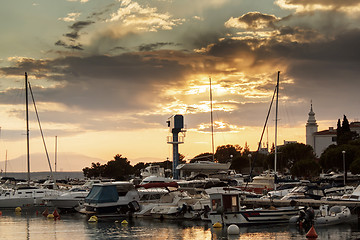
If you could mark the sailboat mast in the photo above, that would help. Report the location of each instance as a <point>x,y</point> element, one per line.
<point>55,152</point>
<point>5,162</point>
<point>276,121</point>
<point>212,123</point>
<point>27,129</point>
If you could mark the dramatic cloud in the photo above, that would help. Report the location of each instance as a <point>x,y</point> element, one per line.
<point>253,20</point>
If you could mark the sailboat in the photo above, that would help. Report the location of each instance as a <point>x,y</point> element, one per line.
<point>25,195</point>
<point>226,208</point>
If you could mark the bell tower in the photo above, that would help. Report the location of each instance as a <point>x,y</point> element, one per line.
<point>311,128</point>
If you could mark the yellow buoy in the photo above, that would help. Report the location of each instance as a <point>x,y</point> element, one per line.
<point>217,225</point>
<point>124,222</point>
<point>50,215</point>
<point>93,219</point>
<point>18,209</point>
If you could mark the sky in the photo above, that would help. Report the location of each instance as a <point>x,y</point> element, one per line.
<point>106,75</point>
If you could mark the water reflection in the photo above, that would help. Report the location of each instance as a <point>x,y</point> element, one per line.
<point>76,227</point>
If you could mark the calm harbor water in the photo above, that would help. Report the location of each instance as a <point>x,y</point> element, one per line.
<point>76,227</point>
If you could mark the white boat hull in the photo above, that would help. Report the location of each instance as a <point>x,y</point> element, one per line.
<point>254,216</point>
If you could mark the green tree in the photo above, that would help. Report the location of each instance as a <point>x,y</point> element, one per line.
<point>355,166</point>
<point>289,155</point>
<point>96,170</point>
<point>344,134</point>
<point>307,168</point>
<point>119,168</point>
<point>225,153</point>
<point>138,167</point>
<point>332,157</point>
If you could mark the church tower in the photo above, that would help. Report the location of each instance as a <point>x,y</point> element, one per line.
<point>311,128</point>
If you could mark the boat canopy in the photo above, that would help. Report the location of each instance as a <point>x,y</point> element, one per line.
<point>102,194</point>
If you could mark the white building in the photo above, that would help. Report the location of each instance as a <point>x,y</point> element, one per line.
<point>311,128</point>
<point>320,140</point>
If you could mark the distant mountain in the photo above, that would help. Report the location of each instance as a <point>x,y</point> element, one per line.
<point>39,163</point>
<point>134,161</point>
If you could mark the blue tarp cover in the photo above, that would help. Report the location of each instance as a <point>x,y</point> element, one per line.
<point>102,194</point>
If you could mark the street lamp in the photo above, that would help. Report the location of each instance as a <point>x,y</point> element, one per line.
<point>343,153</point>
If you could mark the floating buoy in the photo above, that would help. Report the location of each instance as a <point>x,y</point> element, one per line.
<point>217,225</point>
<point>0,213</point>
<point>50,216</point>
<point>312,233</point>
<point>56,214</point>
<point>124,222</point>
<point>233,229</point>
<point>45,213</point>
<point>93,219</point>
<point>18,209</point>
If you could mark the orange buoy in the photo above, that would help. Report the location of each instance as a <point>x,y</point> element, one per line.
<point>312,233</point>
<point>45,213</point>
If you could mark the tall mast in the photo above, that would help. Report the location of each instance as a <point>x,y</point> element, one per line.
<point>212,123</point>
<point>55,152</point>
<point>276,120</point>
<point>5,162</point>
<point>27,129</point>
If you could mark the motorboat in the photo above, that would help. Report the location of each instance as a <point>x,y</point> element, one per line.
<point>324,216</point>
<point>25,196</point>
<point>152,170</point>
<point>305,191</point>
<point>179,204</point>
<point>111,198</point>
<point>69,200</point>
<point>226,209</point>
<point>155,179</point>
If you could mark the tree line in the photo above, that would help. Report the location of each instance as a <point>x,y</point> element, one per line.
<point>296,159</point>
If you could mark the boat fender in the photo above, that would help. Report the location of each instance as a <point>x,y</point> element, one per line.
<point>233,229</point>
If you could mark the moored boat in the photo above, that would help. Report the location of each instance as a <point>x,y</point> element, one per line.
<point>323,216</point>
<point>226,209</point>
<point>111,198</point>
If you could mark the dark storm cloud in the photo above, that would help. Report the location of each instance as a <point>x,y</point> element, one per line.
<point>258,20</point>
<point>120,83</point>
<point>69,46</point>
<point>155,46</point>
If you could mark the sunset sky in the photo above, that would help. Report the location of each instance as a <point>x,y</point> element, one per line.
<point>106,75</point>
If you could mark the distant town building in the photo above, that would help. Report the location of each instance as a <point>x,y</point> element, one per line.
<point>320,140</point>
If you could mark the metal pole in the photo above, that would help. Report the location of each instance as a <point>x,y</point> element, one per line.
<point>27,128</point>
<point>55,152</point>
<point>343,152</point>
<point>212,124</point>
<point>175,155</point>
<point>276,120</point>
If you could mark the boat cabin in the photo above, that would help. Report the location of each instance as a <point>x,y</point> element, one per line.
<point>224,202</point>
<point>108,192</point>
